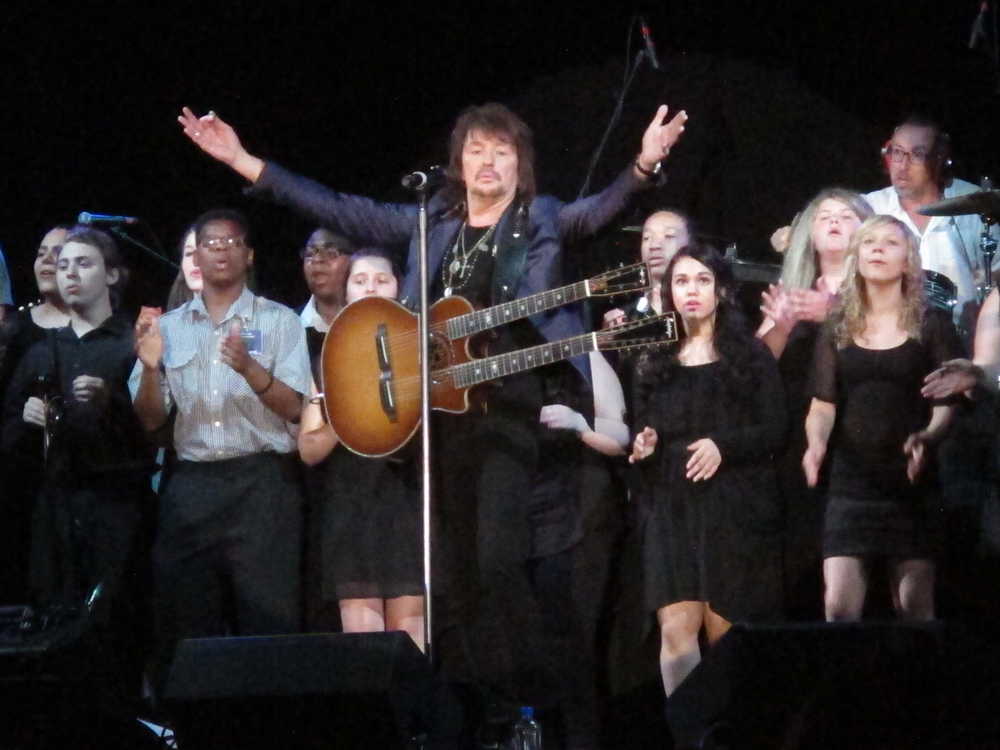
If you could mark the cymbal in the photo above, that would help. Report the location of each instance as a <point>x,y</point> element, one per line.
<point>984,203</point>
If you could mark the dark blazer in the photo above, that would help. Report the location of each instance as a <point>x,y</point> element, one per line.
<point>535,267</point>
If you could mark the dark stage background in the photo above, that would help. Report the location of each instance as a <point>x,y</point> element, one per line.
<point>784,98</point>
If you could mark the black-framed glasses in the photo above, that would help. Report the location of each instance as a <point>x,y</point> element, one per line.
<point>917,156</point>
<point>320,252</point>
<point>214,243</point>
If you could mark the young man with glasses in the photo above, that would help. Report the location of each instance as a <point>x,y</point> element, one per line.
<point>325,259</point>
<point>233,366</point>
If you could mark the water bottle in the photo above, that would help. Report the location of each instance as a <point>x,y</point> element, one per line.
<point>527,732</point>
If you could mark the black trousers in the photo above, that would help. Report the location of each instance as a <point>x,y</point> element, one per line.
<point>227,555</point>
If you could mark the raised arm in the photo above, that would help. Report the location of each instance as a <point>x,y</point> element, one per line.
<point>218,139</point>
<point>364,221</point>
<point>586,216</point>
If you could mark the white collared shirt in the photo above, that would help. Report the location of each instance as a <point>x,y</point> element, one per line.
<point>218,414</point>
<point>311,318</point>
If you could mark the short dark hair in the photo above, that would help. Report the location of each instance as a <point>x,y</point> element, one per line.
<point>223,214</point>
<point>939,158</point>
<point>497,120</point>
<point>106,245</point>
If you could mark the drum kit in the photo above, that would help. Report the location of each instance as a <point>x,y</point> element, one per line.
<point>984,203</point>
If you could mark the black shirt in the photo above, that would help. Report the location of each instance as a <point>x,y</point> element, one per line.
<point>95,437</point>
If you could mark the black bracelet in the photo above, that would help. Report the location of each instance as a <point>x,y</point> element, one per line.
<point>267,387</point>
<point>650,173</point>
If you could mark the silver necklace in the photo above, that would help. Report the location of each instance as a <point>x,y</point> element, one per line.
<point>457,273</point>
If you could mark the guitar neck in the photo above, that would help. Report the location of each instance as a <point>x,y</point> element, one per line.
<point>482,370</point>
<point>482,320</point>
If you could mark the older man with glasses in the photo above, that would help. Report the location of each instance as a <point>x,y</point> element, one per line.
<point>918,161</point>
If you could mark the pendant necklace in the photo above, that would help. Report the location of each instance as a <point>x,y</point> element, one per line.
<point>457,273</point>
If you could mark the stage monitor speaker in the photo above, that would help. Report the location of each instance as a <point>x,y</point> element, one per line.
<point>344,690</point>
<point>817,685</point>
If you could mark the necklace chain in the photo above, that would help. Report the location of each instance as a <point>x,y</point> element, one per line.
<point>457,273</point>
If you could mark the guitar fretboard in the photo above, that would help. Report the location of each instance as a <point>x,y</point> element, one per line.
<point>478,371</point>
<point>491,317</point>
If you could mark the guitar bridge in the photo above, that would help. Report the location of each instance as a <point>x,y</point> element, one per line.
<point>385,385</point>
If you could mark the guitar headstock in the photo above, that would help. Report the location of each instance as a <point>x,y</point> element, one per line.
<point>633,278</point>
<point>657,330</point>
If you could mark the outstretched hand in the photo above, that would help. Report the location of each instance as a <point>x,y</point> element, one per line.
<point>216,137</point>
<point>211,134</point>
<point>660,137</point>
<point>953,376</point>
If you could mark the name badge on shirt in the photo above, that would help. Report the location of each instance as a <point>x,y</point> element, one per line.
<point>253,340</point>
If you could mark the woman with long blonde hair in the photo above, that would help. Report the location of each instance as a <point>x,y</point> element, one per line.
<point>794,310</point>
<point>870,363</point>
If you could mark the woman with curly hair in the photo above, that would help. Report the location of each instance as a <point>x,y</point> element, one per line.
<point>870,363</point>
<point>714,415</point>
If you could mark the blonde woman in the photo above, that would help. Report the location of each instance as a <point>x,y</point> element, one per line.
<point>814,265</point>
<point>794,311</point>
<point>870,364</point>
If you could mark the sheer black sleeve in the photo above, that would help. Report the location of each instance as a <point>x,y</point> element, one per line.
<point>823,378</point>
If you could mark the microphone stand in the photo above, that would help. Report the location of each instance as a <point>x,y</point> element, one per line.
<point>119,232</point>
<point>423,337</point>
<point>615,115</point>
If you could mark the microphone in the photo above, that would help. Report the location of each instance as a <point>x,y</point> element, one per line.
<point>86,217</point>
<point>647,37</point>
<point>424,180</point>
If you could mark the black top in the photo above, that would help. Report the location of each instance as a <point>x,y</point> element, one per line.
<point>91,438</point>
<point>877,395</point>
<point>473,278</point>
<point>18,334</point>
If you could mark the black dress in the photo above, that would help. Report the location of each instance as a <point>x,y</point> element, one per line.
<point>717,540</point>
<point>873,508</point>
<point>371,528</point>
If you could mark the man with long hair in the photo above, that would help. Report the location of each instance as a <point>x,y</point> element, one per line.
<point>491,239</point>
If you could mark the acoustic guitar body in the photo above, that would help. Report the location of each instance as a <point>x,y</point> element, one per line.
<point>371,373</point>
